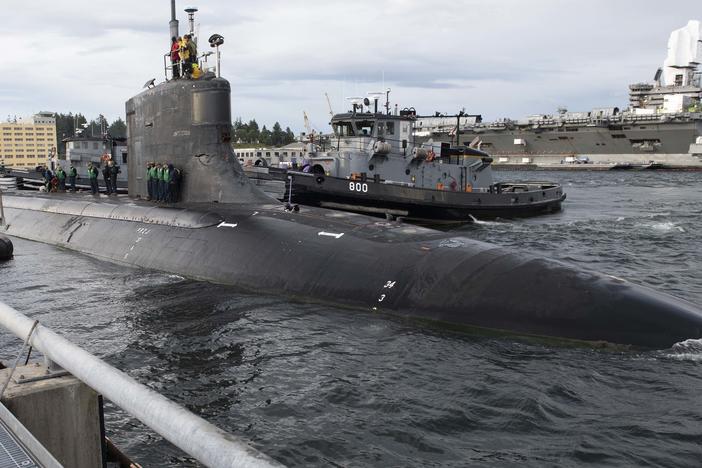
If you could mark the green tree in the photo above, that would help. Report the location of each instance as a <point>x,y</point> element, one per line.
<point>277,135</point>
<point>253,133</point>
<point>265,138</point>
<point>118,129</point>
<point>238,131</point>
<point>289,136</point>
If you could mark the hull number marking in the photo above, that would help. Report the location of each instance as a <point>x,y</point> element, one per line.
<point>358,187</point>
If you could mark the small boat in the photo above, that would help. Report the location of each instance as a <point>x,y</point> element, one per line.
<point>377,167</point>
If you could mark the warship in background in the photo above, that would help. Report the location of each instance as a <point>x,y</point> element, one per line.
<point>661,128</point>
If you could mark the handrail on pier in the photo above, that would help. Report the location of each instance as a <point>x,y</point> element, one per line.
<point>207,443</point>
<point>2,212</point>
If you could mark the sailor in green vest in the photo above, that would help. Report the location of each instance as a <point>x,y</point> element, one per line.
<point>157,181</point>
<point>150,179</point>
<point>166,178</point>
<point>61,176</point>
<point>72,175</point>
<point>93,175</point>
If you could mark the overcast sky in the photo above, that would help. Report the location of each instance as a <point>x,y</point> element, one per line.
<point>498,58</point>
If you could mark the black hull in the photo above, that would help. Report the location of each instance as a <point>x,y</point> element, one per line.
<point>344,258</point>
<point>422,204</point>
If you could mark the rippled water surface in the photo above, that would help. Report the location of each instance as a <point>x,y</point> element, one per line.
<point>317,386</point>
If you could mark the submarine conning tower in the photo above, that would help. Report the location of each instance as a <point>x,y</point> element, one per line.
<point>187,123</point>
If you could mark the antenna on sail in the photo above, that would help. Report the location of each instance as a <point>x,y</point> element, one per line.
<point>191,22</point>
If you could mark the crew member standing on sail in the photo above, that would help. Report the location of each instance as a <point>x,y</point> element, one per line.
<point>192,50</point>
<point>175,57</point>
<point>184,53</point>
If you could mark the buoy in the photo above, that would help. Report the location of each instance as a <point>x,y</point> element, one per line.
<point>5,248</point>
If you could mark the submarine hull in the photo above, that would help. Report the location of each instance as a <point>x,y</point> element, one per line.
<point>353,260</point>
<point>226,230</point>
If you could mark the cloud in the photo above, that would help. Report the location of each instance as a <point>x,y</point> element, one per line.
<point>498,58</point>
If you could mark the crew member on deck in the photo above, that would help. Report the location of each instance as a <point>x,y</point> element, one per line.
<point>72,175</point>
<point>106,178</point>
<point>158,187</point>
<point>93,176</point>
<point>149,181</point>
<point>61,176</point>
<point>47,178</point>
<point>114,170</point>
<point>175,187</point>
<point>166,181</point>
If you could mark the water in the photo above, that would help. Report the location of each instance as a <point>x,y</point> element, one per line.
<point>317,386</point>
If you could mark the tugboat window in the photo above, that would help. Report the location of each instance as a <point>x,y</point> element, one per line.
<point>365,127</point>
<point>390,128</point>
<point>343,129</point>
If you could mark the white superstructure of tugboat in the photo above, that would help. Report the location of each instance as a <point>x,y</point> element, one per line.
<point>377,166</point>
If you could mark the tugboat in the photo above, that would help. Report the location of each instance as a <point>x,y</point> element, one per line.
<point>378,168</point>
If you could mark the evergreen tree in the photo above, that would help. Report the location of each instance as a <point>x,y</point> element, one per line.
<point>289,136</point>
<point>265,138</point>
<point>118,129</point>
<point>238,130</point>
<point>277,135</point>
<point>254,134</point>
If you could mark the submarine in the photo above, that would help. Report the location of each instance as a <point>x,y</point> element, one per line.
<point>225,230</point>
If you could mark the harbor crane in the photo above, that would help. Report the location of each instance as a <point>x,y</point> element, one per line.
<point>331,112</point>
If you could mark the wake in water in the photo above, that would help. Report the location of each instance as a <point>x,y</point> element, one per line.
<point>485,223</point>
<point>688,350</point>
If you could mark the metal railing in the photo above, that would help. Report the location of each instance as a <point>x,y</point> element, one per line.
<point>2,212</point>
<point>207,443</point>
<point>201,61</point>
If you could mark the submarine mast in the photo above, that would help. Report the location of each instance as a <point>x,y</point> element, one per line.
<point>173,24</point>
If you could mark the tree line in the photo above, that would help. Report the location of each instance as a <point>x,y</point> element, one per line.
<point>250,133</point>
<point>71,125</point>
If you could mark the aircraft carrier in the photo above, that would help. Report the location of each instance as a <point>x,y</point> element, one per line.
<point>661,127</point>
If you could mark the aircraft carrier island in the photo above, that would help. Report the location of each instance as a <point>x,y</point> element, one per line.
<point>225,230</point>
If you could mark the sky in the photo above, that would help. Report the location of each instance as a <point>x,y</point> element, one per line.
<point>497,58</point>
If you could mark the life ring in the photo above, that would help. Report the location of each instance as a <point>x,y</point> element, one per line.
<point>431,155</point>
